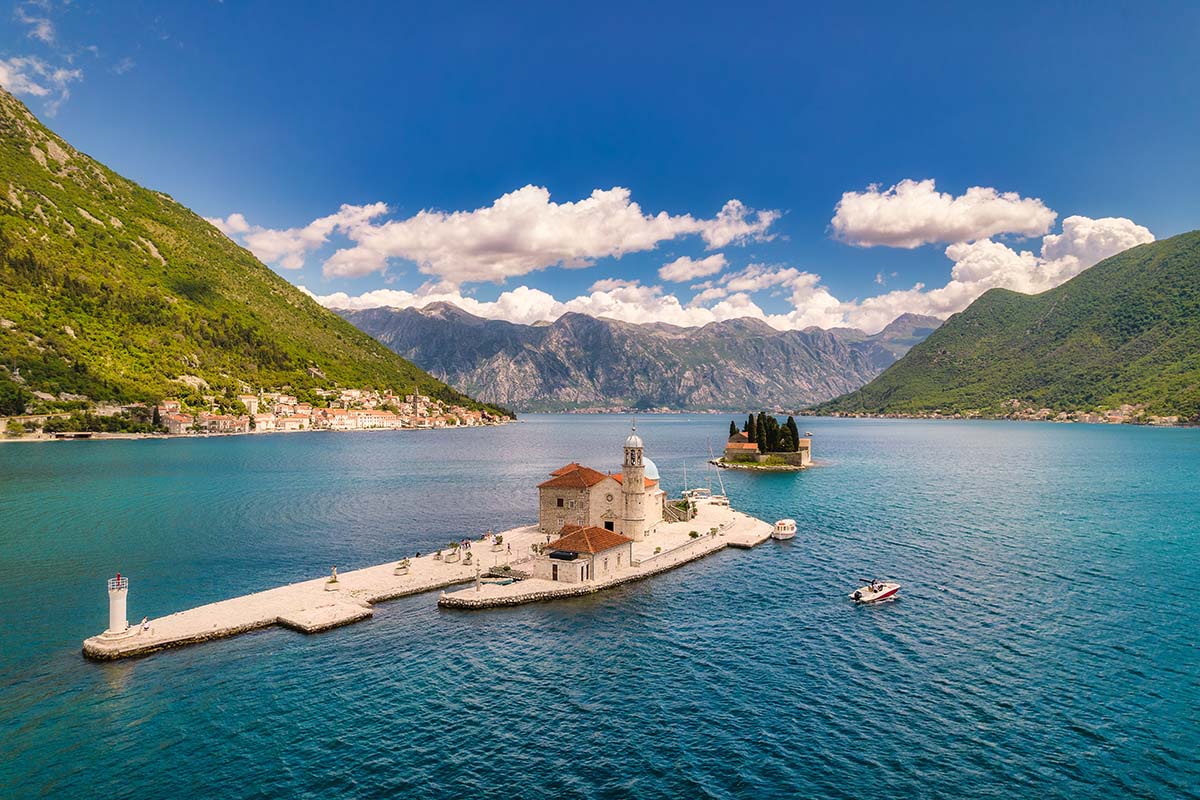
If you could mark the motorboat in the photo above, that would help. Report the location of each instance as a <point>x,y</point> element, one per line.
<point>875,591</point>
<point>784,529</point>
<point>808,433</point>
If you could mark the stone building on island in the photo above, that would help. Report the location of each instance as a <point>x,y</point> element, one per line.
<point>629,502</point>
<point>583,554</point>
<point>740,449</point>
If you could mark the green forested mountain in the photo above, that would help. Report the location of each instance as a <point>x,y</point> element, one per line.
<point>1125,331</point>
<point>117,292</point>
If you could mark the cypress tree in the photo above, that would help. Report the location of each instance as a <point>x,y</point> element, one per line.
<point>785,440</point>
<point>155,419</point>
<point>751,428</point>
<point>791,426</point>
<point>733,431</point>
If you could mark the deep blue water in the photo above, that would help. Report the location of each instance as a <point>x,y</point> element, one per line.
<point>1044,646</point>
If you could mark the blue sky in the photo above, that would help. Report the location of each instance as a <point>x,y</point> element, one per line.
<point>283,113</point>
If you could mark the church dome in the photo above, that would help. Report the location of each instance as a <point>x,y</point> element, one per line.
<point>651,469</point>
<point>634,440</point>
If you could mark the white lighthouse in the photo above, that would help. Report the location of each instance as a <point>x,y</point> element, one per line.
<point>118,589</point>
<point>633,487</point>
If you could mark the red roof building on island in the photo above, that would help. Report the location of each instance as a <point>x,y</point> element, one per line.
<point>591,540</point>
<point>573,476</point>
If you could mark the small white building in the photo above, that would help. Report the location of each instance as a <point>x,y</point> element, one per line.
<point>583,554</point>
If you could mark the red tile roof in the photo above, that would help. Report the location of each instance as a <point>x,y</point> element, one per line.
<point>740,437</point>
<point>620,478</point>
<point>578,478</point>
<point>732,445</point>
<point>574,465</point>
<point>574,539</point>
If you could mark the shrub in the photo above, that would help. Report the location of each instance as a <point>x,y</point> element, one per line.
<point>694,534</point>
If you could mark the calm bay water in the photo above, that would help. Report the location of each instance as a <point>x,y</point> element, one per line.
<point>1045,644</point>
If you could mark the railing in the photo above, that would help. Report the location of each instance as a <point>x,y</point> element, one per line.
<point>117,583</point>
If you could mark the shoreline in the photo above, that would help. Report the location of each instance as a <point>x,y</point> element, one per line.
<point>93,436</point>
<point>997,418</point>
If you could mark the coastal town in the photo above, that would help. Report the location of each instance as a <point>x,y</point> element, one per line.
<point>251,413</point>
<point>345,410</point>
<point>1014,409</point>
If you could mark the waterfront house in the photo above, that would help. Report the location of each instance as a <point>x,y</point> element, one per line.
<point>222,423</point>
<point>583,554</point>
<point>250,401</point>
<point>178,423</point>
<point>293,422</point>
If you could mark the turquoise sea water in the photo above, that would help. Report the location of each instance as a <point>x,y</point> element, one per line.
<point>1044,646</point>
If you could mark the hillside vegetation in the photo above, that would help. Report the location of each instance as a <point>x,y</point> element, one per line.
<point>1126,331</point>
<point>119,293</point>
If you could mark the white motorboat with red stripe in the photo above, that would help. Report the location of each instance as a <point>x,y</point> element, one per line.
<point>874,591</point>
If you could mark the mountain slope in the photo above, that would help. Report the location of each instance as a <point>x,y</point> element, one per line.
<point>117,292</point>
<point>1125,331</point>
<point>581,361</point>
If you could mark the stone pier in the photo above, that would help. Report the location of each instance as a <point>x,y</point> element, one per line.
<point>317,605</point>
<point>309,606</point>
<point>669,546</point>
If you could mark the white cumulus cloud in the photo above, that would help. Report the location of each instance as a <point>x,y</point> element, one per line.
<point>521,232</point>
<point>287,248</point>
<point>686,268</point>
<point>975,267</point>
<point>913,213</point>
<point>30,76</point>
<point>985,264</point>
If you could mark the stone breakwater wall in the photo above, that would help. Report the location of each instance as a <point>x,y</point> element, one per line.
<point>126,648</point>
<point>457,600</point>
<point>348,607</point>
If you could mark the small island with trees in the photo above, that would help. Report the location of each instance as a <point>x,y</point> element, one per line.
<point>764,444</point>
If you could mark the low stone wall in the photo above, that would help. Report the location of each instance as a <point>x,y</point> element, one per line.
<point>574,590</point>
<point>97,652</point>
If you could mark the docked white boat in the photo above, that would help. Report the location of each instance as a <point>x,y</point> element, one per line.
<point>874,591</point>
<point>784,529</point>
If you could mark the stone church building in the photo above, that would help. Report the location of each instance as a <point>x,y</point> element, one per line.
<point>629,502</point>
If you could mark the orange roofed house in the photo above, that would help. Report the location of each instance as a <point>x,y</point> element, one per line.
<point>629,502</point>
<point>583,554</point>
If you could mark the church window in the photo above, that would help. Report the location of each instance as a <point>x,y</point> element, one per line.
<point>606,565</point>
<point>608,525</point>
<point>560,502</point>
<point>571,504</point>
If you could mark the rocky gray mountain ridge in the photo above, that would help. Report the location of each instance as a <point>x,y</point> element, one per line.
<point>578,361</point>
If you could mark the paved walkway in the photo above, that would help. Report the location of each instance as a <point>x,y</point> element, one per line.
<point>307,606</point>
<point>673,543</point>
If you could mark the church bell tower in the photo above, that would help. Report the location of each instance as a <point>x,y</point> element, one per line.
<point>633,486</point>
